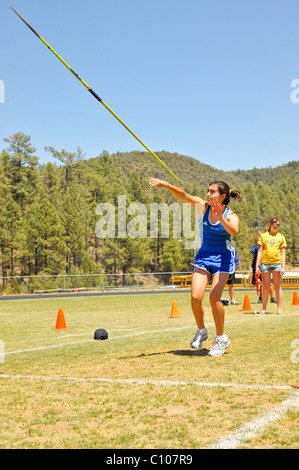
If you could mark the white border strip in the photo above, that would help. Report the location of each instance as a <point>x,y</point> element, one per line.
<point>253,428</point>
<point>145,382</point>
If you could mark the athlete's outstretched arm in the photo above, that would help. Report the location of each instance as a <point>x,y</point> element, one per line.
<point>177,192</point>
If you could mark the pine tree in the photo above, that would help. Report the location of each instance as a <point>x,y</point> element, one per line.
<point>11,219</point>
<point>45,241</point>
<point>50,181</point>
<point>19,167</point>
<point>71,161</point>
<point>72,222</point>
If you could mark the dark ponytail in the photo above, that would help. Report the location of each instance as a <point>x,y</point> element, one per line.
<point>223,188</point>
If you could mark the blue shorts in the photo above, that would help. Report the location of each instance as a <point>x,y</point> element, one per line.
<point>215,263</point>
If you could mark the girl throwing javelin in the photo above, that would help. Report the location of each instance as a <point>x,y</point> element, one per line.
<point>214,259</point>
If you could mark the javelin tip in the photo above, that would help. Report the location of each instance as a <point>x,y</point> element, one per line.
<point>30,27</point>
<point>14,10</point>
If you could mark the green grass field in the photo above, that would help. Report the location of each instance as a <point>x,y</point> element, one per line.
<point>144,388</point>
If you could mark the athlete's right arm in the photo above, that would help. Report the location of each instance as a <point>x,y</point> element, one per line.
<point>177,192</point>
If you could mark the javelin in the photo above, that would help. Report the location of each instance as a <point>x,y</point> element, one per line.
<point>98,98</point>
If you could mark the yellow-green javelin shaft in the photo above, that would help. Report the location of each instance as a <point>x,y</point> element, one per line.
<point>98,98</point>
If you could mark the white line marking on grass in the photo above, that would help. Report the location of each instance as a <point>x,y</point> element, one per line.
<point>39,348</point>
<point>68,336</point>
<point>85,334</point>
<point>51,346</point>
<point>164,383</point>
<point>253,428</point>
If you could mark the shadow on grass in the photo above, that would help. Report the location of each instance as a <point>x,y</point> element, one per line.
<point>178,352</point>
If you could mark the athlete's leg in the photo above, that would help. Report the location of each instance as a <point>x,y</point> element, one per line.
<point>278,289</point>
<point>200,279</point>
<point>266,279</point>
<point>218,283</point>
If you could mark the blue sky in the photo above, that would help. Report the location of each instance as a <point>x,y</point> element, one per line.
<point>206,78</point>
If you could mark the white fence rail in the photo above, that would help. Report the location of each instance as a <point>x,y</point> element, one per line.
<point>13,285</point>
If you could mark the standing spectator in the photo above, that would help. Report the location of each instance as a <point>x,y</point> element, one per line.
<point>254,250</point>
<point>271,259</point>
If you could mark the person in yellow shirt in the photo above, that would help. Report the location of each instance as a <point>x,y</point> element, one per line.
<point>271,258</point>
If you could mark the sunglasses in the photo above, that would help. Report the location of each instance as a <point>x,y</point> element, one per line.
<point>276,224</point>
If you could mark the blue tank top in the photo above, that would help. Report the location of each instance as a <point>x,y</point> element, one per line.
<point>214,236</point>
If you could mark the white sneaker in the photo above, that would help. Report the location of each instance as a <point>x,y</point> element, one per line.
<point>201,335</point>
<point>219,345</point>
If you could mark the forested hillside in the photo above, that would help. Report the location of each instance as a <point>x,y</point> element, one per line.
<point>48,212</point>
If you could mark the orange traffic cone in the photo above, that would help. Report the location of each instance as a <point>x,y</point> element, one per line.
<point>295,299</point>
<point>174,310</point>
<point>246,304</point>
<point>60,322</point>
